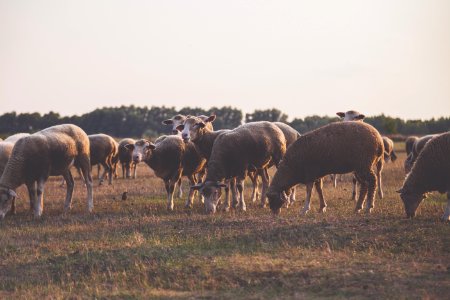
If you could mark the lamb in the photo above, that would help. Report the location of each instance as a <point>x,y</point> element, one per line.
<point>417,148</point>
<point>389,153</point>
<point>170,159</point>
<point>103,149</point>
<point>49,152</point>
<point>430,172</point>
<point>336,148</point>
<point>126,158</point>
<point>353,115</point>
<point>409,144</point>
<point>254,146</point>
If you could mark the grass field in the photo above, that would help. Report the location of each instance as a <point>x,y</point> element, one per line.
<point>137,249</point>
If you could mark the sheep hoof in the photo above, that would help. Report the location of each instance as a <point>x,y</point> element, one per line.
<point>243,208</point>
<point>322,209</point>
<point>358,210</point>
<point>188,206</point>
<point>226,209</point>
<point>304,212</point>
<point>170,207</point>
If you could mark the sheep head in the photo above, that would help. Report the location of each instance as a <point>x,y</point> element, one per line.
<point>175,122</point>
<point>351,115</point>
<point>211,191</point>
<point>140,150</point>
<point>194,127</point>
<point>276,200</point>
<point>6,198</point>
<point>411,201</point>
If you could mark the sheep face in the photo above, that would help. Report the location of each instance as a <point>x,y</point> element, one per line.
<point>276,200</point>
<point>193,128</point>
<point>351,115</point>
<point>140,150</point>
<point>175,122</point>
<point>211,191</point>
<point>6,198</point>
<point>411,201</point>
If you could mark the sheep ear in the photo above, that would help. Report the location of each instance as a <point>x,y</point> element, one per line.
<point>180,127</point>
<point>11,193</point>
<point>129,147</point>
<point>340,114</point>
<point>167,122</point>
<point>151,146</point>
<point>360,117</point>
<point>211,118</point>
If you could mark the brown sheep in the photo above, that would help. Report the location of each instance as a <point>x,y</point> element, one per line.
<point>409,144</point>
<point>253,145</point>
<point>126,158</point>
<point>336,148</point>
<point>103,149</point>
<point>170,159</point>
<point>430,172</point>
<point>49,152</point>
<point>416,149</point>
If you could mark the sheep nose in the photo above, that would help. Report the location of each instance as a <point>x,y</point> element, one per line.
<point>136,158</point>
<point>184,135</point>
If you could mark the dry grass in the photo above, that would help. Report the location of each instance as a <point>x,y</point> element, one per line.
<point>136,249</point>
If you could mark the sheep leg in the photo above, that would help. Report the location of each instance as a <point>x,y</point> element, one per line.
<point>354,187</point>
<point>334,179</point>
<point>180,189</point>
<point>233,192</point>
<point>379,169</point>
<point>69,183</point>
<point>254,178</point>
<point>362,193</point>
<point>39,200</point>
<point>190,199</point>
<point>292,196</point>
<point>125,171</point>
<point>265,185</point>
<point>318,184</point>
<point>31,186</point>
<point>307,205</point>
<point>110,170</point>
<point>240,188</point>
<point>170,186</point>
<point>134,170</point>
<point>372,185</point>
<point>226,206</point>
<point>98,171</point>
<point>86,172</point>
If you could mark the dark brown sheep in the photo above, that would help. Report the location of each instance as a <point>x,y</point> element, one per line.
<point>430,172</point>
<point>49,152</point>
<point>336,148</point>
<point>409,143</point>
<point>126,158</point>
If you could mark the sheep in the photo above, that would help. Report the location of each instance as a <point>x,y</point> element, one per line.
<point>49,152</point>
<point>416,149</point>
<point>336,148</point>
<point>409,144</point>
<point>353,115</point>
<point>170,159</point>
<point>126,158</point>
<point>103,149</point>
<point>430,172</point>
<point>389,152</point>
<point>6,147</point>
<point>254,146</point>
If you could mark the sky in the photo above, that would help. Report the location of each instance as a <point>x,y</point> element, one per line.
<point>301,57</point>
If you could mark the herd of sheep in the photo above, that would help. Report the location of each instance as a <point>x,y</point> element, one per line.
<point>212,160</point>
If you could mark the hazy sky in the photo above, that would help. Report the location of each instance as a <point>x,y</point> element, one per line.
<point>302,57</point>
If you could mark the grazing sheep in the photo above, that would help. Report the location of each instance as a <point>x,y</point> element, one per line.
<point>103,149</point>
<point>389,152</point>
<point>430,172</point>
<point>417,148</point>
<point>49,152</point>
<point>254,146</point>
<point>170,159</point>
<point>336,148</point>
<point>409,144</point>
<point>126,158</point>
<point>353,115</point>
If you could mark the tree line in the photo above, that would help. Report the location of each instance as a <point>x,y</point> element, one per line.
<point>133,121</point>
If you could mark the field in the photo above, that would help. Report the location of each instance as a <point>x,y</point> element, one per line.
<point>134,248</point>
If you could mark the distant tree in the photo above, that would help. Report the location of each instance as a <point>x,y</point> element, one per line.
<point>271,115</point>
